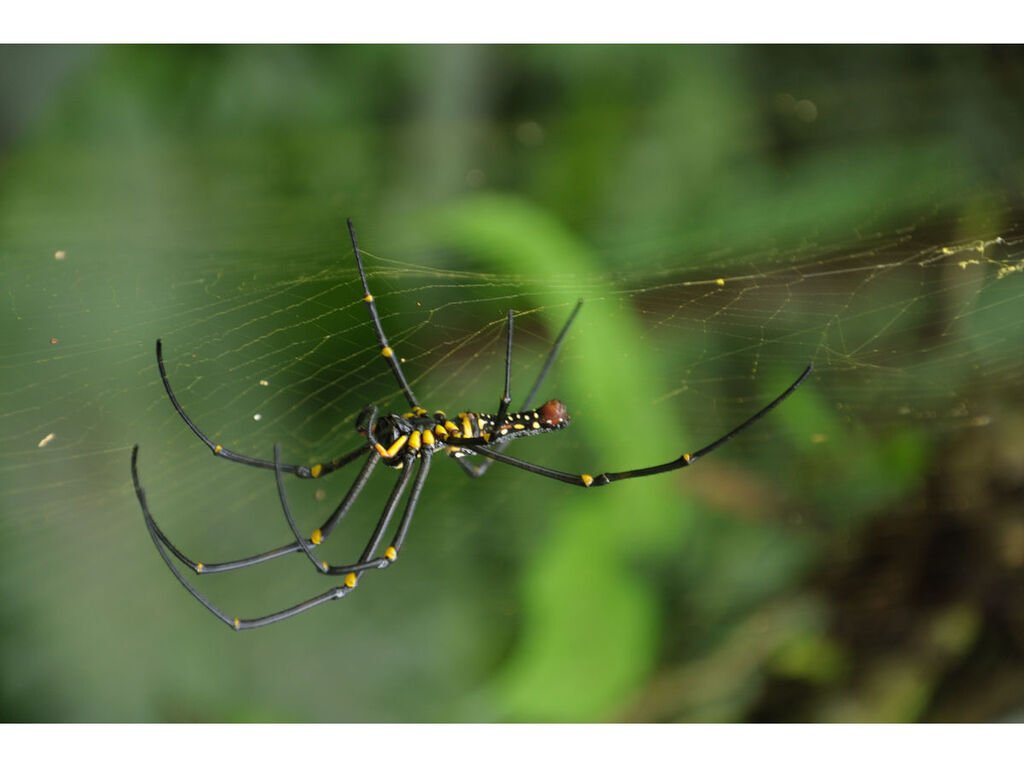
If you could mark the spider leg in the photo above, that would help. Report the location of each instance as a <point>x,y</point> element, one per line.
<point>682,462</point>
<point>321,533</point>
<point>335,593</point>
<point>159,540</point>
<point>302,544</point>
<point>299,470</point>
<point>478,470</point>
<point>506,398</point>
<point>366,560</point>
<point>391,553</point>
<point>318,536</point>
<point>552,354</point>
<point>385,348</point>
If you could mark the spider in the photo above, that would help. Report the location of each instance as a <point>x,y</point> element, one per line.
<point>402,442</point>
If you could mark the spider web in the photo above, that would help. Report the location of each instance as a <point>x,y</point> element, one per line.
<point>918,326</point>
<point>877,508</point>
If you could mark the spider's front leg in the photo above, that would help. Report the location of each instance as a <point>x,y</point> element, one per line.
<point>299,470</point>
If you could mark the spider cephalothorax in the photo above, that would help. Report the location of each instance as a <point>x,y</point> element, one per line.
<point>401,442</point>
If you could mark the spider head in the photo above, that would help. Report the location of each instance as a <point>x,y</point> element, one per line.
<point>553,415</point>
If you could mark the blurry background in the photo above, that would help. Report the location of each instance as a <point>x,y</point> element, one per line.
<point>727,214</point>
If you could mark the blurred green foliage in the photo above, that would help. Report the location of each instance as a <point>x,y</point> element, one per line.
<point>856,559</point>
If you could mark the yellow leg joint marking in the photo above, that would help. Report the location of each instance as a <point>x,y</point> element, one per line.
<point>451,428</point>
<point>316,537</point>
<point>440,431</point>
<point>199,567</point>
<point>238,622</point>
<point>324,566</point>
<point>381,450</point>
<point>414,441</point>
<point>720,281</point>
<point>686,458</point>
<point>391,554</point>
<point>350,580</point>
<point>587,480</point>
<point>428,437</point>
<point>387,351</point>
<point>218,449</point>
<point>467,427</point>
<point>420,411</point>
<point>368,298</point>
<point>397,446</point>
<point>316,469</point>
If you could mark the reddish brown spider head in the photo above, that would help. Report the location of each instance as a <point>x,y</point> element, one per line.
<point>553,414</point>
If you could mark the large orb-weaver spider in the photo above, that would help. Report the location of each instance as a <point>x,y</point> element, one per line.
<point>400,441</point>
